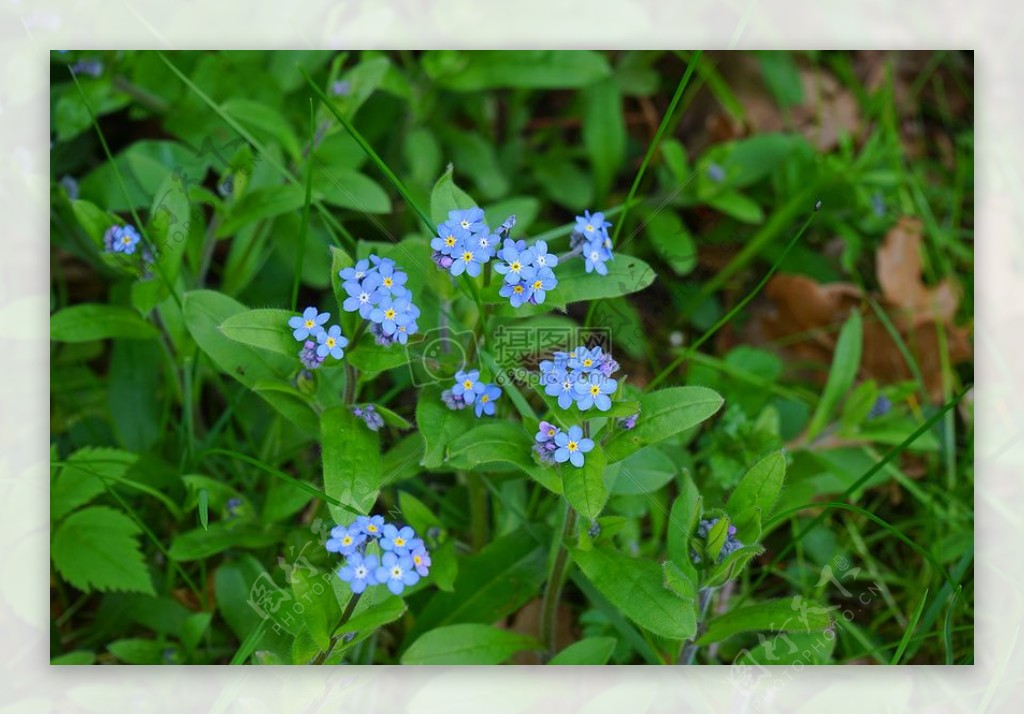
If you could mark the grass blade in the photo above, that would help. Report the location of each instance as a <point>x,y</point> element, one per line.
<point>911,627</point>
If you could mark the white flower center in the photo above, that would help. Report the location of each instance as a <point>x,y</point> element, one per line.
<point>396,571</point>
<point>360,572</point>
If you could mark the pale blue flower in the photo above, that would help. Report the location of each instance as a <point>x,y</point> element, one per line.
<point>572,445</point>
<point>359,572</point>
<point>396,572</point>
<point>309,323</point>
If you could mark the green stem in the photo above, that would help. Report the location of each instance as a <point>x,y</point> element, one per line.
<point>349,609</point>
<point>690,648</point>
<point>553,589</point>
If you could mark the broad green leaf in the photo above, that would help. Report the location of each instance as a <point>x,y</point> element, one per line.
<point>79,480</point>
<point>584,487</point>
<point>362,81</point>
<point>740,207</point>
<point>136,397</point>
<point>681,581</point>
<point>447,197</point>
<point>731,565</point>
<point>604,132</point>
<point>218,537</point>
<point>376,608</point>
<point>589,651</point>
<point>97,549</point>
<point>810,649</point>
<point>89,321</point>
<point>643,472</point>
<point>465,71</point>
<point>291,403</point>
<point>351,461</point>
<point>265,122</point>
<point>499,443</point>
<point>266,328</point>
<point>321,609</point>
<point>635,587</point>
<point>782,76</point>
<point>193,629</point>
<point>497,581</point>
<point>262,204</point>
<point>477,158</point>
<point>755,496</point>
<point>796,614</point>
<point>204,508</point>
<point>170,226</point>
<point>672,240</point>
<point>350,189</point>
<point>682,520</point>
<point>845,363</point>
<point>716,538</point>
<point>372,359</point>
<point>439,425</point>
<point>392,418</point>
<point>663,414</point>
<point>626,275</point>
<point>93,220</point>
<point>75,657</point>
<point>137,651</point>
<point>467,644</point>
<point>564,182</point>
<point>746,161</point>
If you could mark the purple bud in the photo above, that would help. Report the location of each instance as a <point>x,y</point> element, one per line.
<point>628,423</point>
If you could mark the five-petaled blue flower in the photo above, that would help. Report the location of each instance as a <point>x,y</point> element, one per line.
<point>467,385</point>
<point>468,260</point>
<point>362,295</point>
<point>450,239</point>
<point>543,259</point>
<point>355,273</point>
<point>595,256</point>
<point>397,572</point>
<point>541,283</point>
<point>331,342</point>
<point>360,571</point>
<point>392,280</point>
<point>517,293</point>
<point>546,432</point>
<point>420,557</point>
<point>561,384</point>
<point>585,360</point>
<point>123,239</point>
<point>397,540</point>
<point>371,525</point>
<point>471,220</point>
<point>594,391</point>
<point>518,262</point>
<point>309,323</point>
<point>485,400</point>
<point>592,226</point>
<point>391,313</point>
<point>572,445</point>
<point>345,539</point>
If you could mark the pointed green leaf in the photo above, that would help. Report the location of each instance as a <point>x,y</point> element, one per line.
<point>756,494</point>
<point>584,486</point>
<point>663,414</point>
<point>784,614</point>
<point>589,651</point>
<point>97,549</point>
<point>467,644</point>
<point>351,461</point>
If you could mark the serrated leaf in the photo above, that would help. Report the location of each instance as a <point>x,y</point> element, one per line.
<point>663,414</point>
<point>97,549</point>
<point>467,644</point>
<point>79,480</point>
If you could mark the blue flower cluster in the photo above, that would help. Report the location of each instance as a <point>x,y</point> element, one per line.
<point>590,238</point>
<point>731,542</point>
<point>468,390</point>
<point>581,376</point>
<point>464,244</point>
<point>329,341</point>
<point>403,557</point>
<point>376,290</point>
<point>553,445</point>
<point>369,415</point>
<point>121,239</point>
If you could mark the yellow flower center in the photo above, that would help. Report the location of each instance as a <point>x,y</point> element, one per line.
<point>449,241</point>
<point>310,323</point>
<point>588,362</point>
<point>537,285</point>
<point>468,384</point>
<point>389,313</point>
<point>417,560</point>
<point>517,289</point>
<point>590,228</point>
<point>331,342</point>
<point>399,541</point>
<point>485,398</point>
<point>388,282</point>
<point>126,239</point>
<point>467,256</point>
<point>347,540</point>
<point>372,528</point>
<point>551,433</point>
<point>572,446</point>
<point>595,390</point>
<point>516,266</point>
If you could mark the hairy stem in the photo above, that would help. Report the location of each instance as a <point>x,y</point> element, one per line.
<point>690,648</point>
<point>349,609</point>
<point>553,589</point>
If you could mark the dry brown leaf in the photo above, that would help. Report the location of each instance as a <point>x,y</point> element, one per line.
<point>898,266</point>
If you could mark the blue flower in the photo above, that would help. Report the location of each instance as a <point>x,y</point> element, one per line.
<point>359,572</point>
<point>517,293</point>
<point>608,365</point>
<point>453,401</point>
<point>485,400</point>
<point>468,260</point>
<point>628,423</point>
<point>345,540</point>
<point>369,415</point>
<point>471,220</point>
<point>362,295</point>
<point>391,313</point>
<point>308,356</point>
<point>518,262</point>
<point>309,323</point>
<point>392,280</point>
<point>595,256</point>
<point>420,558</point>
<point>542,282</point>
<point>506,227</point>
<point>396,539</point>
<point>370,525</point>
<point>592,226</point>
<point>585,360</point>
<point>560,383</point>
<point>546,432</point>
<point>572,445</point>
<point>467,386</point>
<point>331,343</point>
<point>122,239</point>
<point>594,392</point>
<point>397,572</point>
<point>542,258</point>
<point>484,245</point>
<point>450,239</point>
<point>355,273</point>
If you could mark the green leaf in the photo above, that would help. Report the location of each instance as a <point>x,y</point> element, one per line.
<point>465,71</point>
<point>680,581</point>
<point>682,520</point>
<point>845,364</point>
<point>604,132</point>
<point>204,508</point>
<point>291,403</point>
<point>262,204</point>
<point>351,461</point>
<point>376,608</point>
<point>372,359</point>
<point>265,123</point>
<point>671,240</point>
<point>635,587</point>
<point>321,609</point>
<point>97,549</point>
<point>350,189</point>
<point>663,414</point>
<point>467,644</point>
<point>193,628</point>
<point>740,207</point>
<point>392,418</point>
<point>782,76</point>
<point>716,538</point>
<point>584,486</point>
<point>363,80</point>
<point>626,275</point>
<point>499,443</point>
<point>643,472</point>
<point>137,651</point>
<point>497,581</point>
<point>89,321</point>
<point>93,220</point>
<point>75,657</point>
<point>797,614</point>
<point>564,181</point>
<point>589,651</point>
<point>446,197</point>
<point>439,425</point>
<point>170,225</point>
<point>266,328</point>
<point>755,496</point>
<point>731,565</point>
<point>219,537</point>
<point>79,480</point>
